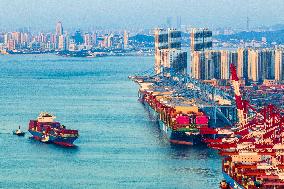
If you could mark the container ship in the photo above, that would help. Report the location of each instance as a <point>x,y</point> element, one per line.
<point>183,120</point>
<point>180,123</point>
<point>45,129</point>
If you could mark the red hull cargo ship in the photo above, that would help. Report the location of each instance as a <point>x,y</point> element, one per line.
<point>45,129</point>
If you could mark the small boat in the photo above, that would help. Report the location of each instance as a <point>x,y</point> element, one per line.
<point>19,132</point>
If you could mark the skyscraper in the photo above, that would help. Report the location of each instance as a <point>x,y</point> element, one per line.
<point>216,63</point>
<point>200,39</point>
<point>11,45</point>
<point>279,65</point>
<point>261,64</point>
<point>7,37</point>
<point>196,62</point>
<point>254,65</point>
<point>227,58</point>
<point>87,39</point>
<point>125,39</point>
<point>61,43</point>
<point>59,29</point>
<point>169,58</point>
<point>110,40</point>
<point>206,65</point>
<point>94,39</point>
<point>242,65</point>
<point>267,63</point>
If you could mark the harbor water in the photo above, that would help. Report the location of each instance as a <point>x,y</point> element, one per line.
<point>120,144</point>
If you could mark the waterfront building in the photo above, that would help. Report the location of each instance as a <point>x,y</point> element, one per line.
<point>72,45</point>
<point>25,38</point>
<point>11,44</point>
<point>42,38</point>
<point>61,43</point>
<point>169,58</point>
<point>206,65</point>
<point>110,40</point>
<point>78,39</point>
<point>196,64</point>
<point>7,37</point>
<point>94,40</point>
<point>125,39</point>
<point>173,60</point>
<point>17,37</point>
<point>200,39</point>
<point>87,39</point>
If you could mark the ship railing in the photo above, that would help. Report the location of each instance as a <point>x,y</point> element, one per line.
<point>69,135</point>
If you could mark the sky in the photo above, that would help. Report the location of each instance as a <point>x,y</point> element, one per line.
<point>127,14</point>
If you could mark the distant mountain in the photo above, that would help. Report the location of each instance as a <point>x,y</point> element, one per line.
<point>271,36</point>
<point>278,27</point>
<point>140,38</point>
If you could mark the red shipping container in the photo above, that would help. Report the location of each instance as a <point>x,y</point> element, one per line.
<point>201,120</point>
<point>182,120</point>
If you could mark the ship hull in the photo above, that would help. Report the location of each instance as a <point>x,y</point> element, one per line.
<point>174,137</point>
<point>62,141</point>
<point>231,182</point>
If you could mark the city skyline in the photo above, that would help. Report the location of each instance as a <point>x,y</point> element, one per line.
<point>134,14</point>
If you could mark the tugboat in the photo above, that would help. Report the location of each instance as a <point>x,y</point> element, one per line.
<point>224,185</point>
<point>18,132</point>
<point>46,130</point>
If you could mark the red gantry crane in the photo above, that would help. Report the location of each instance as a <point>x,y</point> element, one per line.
<point>254,153</point>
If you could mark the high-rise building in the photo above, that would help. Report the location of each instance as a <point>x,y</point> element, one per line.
<point>42,38</point>
<point>200,39</point>
<point>196,61</point>
<point>242,65</point>
<point>24,37</point>
<point>110,40</point>
<point>206,65</point>
<point>169,58</point>
<point>279,65</point>
<point>87,39</point>
<point>267,63</point>
<point>78,38</point>
<point>59,29</point>
<point>254,65</point>
<point>7,37</point>
<point>211,65</point>
<point>225,71</point>
<point>125,39</point>
<point>61,43</point>
<point>17,37</point>
<point>94,39</point>
<point>11,45</point>
<point>261,64</point>
<point>202,65</point>
<point>173,60</point>
<point>227,58</point>
<point>216,63</point>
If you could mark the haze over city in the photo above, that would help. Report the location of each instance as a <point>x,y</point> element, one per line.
<point>185,94</point>
<point>42,15</point>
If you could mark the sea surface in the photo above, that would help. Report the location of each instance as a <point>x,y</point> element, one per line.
<point>120,145</point>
